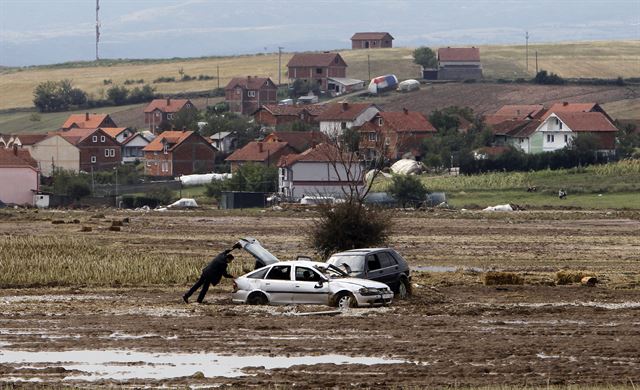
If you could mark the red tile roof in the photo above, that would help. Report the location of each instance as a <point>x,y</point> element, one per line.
<point>401,121</point>
<point>30,139</point>
<point>525,131</point>
<point>282,109</point>
<point>507,126</point>
<point>167,105</point>
<point>316,59</point>
<point>343,111</point>
<point>172,138</point>
<point>298,140</point>
<point>17,158</point>
<point>319,153</point>
<point>85,121</point>
<point>520,111</point>
<point>249,82</point>
<point>459,54</point>
<point>75,135</point>
<point>586,121</point>
<point>570,107</point>
<point>258,151</point>
<point>114,131</point>
<point>370,35</point>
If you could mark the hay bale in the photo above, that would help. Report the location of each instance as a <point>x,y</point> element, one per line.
<point>86,229</point>
<point>589,281</point>
<point>500,278</point>
<point>114,228</point>
<point>570,277</point>
<point>116,223</point>
<point>57,222</point>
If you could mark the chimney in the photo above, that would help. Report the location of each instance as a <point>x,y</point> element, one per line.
<point>345,106</point>
<point>86,116</point>
<point>565,103</point>
<point>406,112</point>
<point>168,101</point>
<point>260,147</point>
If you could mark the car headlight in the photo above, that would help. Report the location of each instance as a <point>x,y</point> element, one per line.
<point>371,291</point>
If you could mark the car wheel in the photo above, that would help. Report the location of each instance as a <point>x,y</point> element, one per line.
<point>404,289</point>
<point>257,299</point>
<point>345,301</point>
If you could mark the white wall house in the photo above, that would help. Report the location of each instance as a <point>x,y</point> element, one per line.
<point>51,151</point>
<point>341,116</point>
<point>132,148</point>
<point>313,173</point>
<point>224,141</point>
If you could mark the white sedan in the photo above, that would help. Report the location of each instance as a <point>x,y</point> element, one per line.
<point>308,282</point>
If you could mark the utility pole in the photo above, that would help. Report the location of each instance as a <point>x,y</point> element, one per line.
<point>218,75</point>
<point>526,37</point>
<point>97,29</point>
<point>536,62</point>
<point>280,65</point>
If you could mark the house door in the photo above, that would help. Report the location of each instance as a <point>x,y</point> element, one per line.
<point>366,45</point>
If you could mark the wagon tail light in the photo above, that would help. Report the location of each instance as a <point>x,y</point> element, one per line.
<point>235,286</point>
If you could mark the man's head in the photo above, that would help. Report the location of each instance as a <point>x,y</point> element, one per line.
<point>230,257</point>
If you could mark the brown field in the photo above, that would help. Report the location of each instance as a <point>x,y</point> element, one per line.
<point>120,291</point>
<point>584,59</point>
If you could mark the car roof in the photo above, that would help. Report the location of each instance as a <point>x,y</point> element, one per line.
<point>306,263</point>
<point>361,251</point>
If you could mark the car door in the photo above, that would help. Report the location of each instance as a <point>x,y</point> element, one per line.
<point>389,267</point>
<point>374,268</point>
<point>278,284</point>
<point>310,287</point>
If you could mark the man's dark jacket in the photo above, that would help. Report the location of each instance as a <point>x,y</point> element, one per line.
<point>217,268</point>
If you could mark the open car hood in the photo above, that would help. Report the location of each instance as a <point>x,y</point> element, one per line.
<point>256,250</point>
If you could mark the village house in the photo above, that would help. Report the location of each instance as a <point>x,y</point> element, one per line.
<point>98,150</point>
<point>371,40</point>
<point>459,63</point>
<point>514,132</point>
<point>576,107</point>
<point>224,141</point>
<point>175,153</point>
<point>271,115</point>
<point>160,112</point>
<point>515,112</point>
<point>394,134</point>
<point>299,141</point>
<point>319,171</point>
<point>119,133</point>
<point>338,117</point>
<point>88,121</point>
<point>132,147</point>
<point>246,95</point>
<point>19,176</point>
<point>258,152</point>
<point>51,151</point>
<point>316,68</point>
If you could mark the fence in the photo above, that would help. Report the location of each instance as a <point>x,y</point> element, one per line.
<point>105,190</point>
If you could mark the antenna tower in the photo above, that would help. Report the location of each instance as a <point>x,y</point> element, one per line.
<point>97,29</point>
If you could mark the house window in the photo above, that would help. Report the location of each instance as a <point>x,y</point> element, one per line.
<point>560,125</point>
<point>188,105</point>
<point>112,152</point>
<point>164,148</point>
<point>566,138</point>
<point>102,138</point>
<point>343,125</point>
<point>106,152</point>
<point>318,70</point>
<point>372,136</point>
<point>238,91</point>
<point>387,141</point>
<point>380,121</point>
<point>165,167</point>
<point>169,116</point>
<point>252,93</point>
<point>550,138</point>
<point>93,159</point>
<point>94,138</point>
<point>157,114</point>
<point>521,140</point>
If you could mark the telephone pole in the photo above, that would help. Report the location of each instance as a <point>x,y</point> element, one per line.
<point>526,37</point>
<point>280,65</point>
<point>97,29</point>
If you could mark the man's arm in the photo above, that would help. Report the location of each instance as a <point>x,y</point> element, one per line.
<point>226,274</point>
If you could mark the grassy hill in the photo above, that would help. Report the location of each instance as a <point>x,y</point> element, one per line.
<point>584,59</point>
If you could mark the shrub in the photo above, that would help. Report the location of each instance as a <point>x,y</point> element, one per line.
<point>117,95</point>
<point>347,226</point>
<point>499,278</point>
<point>407,189</point>
<point>425,57</point>
<point>543,77</point>
<point>164,79</point>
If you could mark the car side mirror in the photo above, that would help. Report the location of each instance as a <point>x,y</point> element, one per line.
<point>319,284</point>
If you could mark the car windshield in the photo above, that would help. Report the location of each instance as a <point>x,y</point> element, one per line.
<point>351,263</point>
<point>331,271</point>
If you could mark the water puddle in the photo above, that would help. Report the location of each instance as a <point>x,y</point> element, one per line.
<point>55,298</point>
<point>125,365</point>
<point>599,305</point>
<point>444,268</point>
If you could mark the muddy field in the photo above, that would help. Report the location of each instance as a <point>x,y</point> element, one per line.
<point>454,331</point>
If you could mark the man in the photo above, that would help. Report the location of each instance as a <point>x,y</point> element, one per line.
<point>212,273</point>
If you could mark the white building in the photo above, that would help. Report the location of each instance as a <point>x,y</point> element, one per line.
<point>132,146</point>
<point>51,151</point>
<point>224,141</point>
<point>319,171</point>
<point>338,117</point>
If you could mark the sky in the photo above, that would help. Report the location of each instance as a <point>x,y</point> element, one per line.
<point>35,32</point>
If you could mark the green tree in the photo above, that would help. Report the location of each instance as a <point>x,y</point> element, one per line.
<point>118,95</point>
<point>425,56</point>
<point>407,189</point>
<point>186,118</point>
<point>251,177</point>
<point>303,87</point>
<point>543,77</point>
<point>628,140</point>
<point>69,183</point>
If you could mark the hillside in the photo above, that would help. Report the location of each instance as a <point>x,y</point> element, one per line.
<point>584,59</point>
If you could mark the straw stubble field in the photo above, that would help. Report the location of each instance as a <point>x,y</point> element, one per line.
<point>64,290</point>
